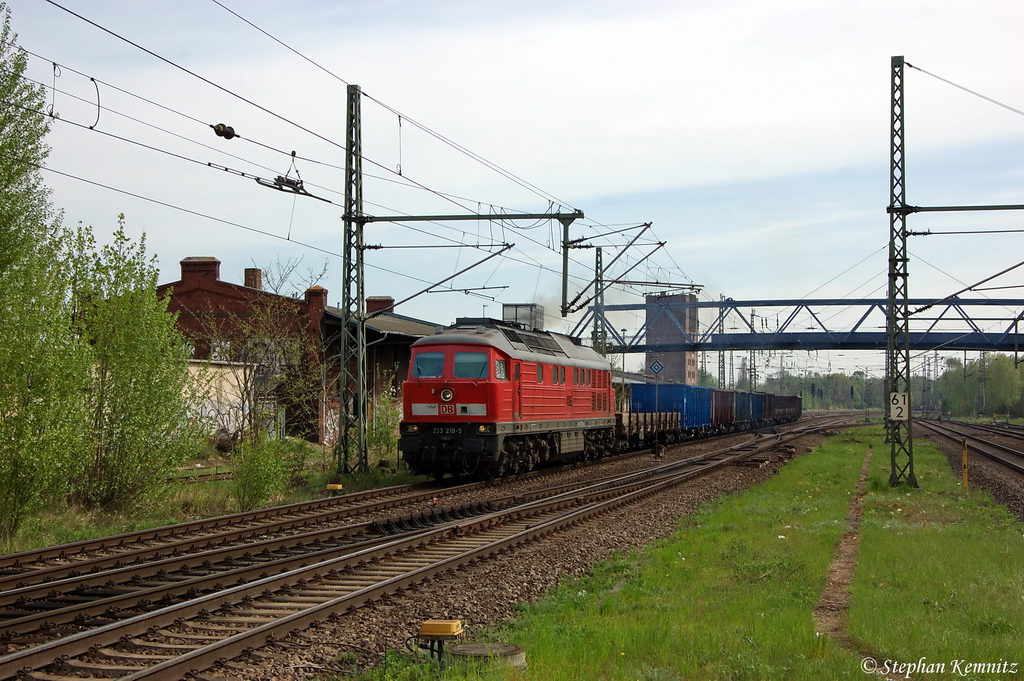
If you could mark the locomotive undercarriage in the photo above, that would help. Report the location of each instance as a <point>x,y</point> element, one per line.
<point>520,453</point>
<point>502,455</point>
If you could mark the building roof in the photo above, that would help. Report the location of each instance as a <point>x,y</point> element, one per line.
<point>392,323</point>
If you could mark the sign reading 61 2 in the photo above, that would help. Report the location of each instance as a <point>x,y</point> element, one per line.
<point>899,407</point>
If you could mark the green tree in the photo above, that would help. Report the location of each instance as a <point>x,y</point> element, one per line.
<point>43,367</point>
<point>141,395</point>
<point>1002,384</point>
<point>958,387</point>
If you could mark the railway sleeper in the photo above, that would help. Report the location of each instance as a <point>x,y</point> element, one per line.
<point>131,656</point>
<point>170,649</point>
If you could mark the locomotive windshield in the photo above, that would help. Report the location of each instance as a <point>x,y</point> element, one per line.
<point>428,365</point>
<point>470,365</point>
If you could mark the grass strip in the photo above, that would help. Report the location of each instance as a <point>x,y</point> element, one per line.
<point>943,579</point>
<point>732,594</point>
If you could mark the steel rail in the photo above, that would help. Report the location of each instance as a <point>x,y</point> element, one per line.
<point>197,545</point>
<point>1001,431</point>
<point>271,632</point>
<point>67,551</point>
<point>126,580</point>
<point>136,589</point>
<point>1007,456</point>
<point>75,558</point>
<point>598,499</point>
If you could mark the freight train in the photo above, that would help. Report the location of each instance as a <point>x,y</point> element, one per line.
<point>492,398</point>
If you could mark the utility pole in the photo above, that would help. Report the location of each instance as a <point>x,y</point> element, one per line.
<point>721,355</point>
<point>753,362</point>
<point>898,421</point>
<point>351,447</point>
<point>600,333</point>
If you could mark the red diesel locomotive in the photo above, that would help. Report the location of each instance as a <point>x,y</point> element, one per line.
<point>493,398</point>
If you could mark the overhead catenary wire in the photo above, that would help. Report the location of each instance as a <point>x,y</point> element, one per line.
<point>471,154</point>
<point>242,98</point>
<point>55,90</point>
<point>967,90</point>
<point>258,106</point>
<point>400,116</point>
<point>206,216</point>
<point>219,150</point>
<point>231,223</point>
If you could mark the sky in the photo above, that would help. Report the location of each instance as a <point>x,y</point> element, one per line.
<point>753,136</point>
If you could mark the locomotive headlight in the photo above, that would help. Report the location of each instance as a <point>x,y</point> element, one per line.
<point>411,427</point>
<point>447,394</point>
<point>485,428</point>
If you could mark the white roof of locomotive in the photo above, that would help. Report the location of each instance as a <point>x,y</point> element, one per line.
<point>518,342</point>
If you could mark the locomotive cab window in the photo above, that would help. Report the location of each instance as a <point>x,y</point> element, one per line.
<point>501,369</point>
<point>471,365</point>
<point>428,365</point>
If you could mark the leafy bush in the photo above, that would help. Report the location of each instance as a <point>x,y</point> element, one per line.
<point>385,415</point>
<point>261,471</point>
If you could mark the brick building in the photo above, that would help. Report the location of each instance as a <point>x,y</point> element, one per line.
<point>275,344</point>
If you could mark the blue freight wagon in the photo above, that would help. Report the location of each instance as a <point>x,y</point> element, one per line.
<point>692,403</point>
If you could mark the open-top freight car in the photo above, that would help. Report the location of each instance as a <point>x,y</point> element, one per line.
<point>701,412</point>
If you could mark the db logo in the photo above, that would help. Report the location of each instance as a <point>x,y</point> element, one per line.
<point>446,408</point>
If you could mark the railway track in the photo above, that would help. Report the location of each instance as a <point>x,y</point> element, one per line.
<point>1007,456</point>
<point>147,627</point>
<point>94,556</point>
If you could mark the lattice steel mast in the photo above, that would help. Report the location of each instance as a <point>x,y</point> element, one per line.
<point>600,333</point>
<point>352,378</point>
<point>898,421</point>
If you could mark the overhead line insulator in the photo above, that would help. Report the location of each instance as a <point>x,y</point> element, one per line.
<point>225,131</point>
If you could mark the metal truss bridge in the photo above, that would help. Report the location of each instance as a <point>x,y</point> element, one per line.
<point>815,324</point>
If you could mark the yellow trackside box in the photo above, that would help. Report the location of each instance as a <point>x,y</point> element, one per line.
<point>335,487</point>
<point>441,628</point>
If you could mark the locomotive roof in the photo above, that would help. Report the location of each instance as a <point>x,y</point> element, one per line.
<point>516,341</point>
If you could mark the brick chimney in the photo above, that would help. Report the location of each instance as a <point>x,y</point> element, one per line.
<point>200,267</point>
<point>316,297</point>
<point>379,303</point>
<point>254,278</point>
